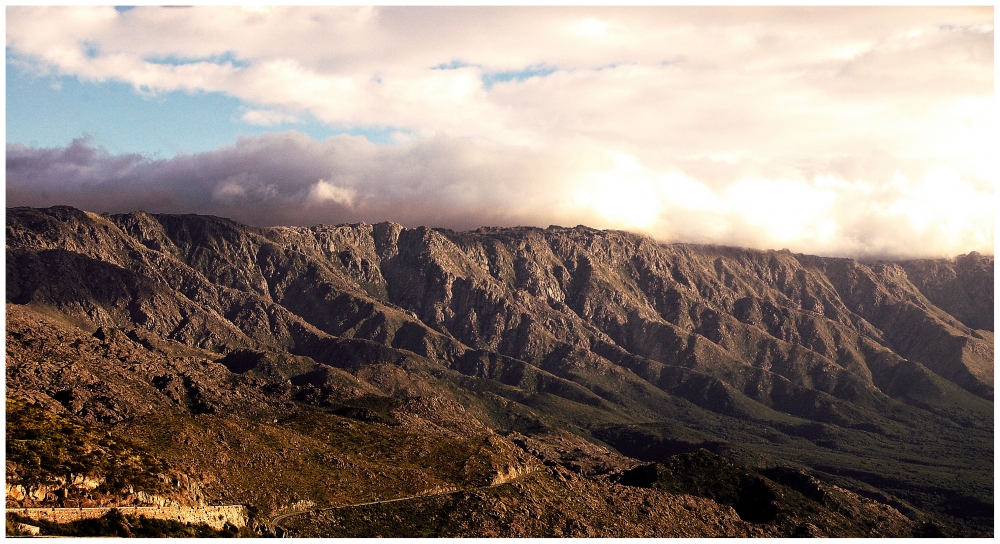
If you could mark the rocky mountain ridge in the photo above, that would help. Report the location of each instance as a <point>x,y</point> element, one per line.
<point>852,371</point>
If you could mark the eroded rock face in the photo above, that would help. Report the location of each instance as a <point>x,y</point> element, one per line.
<point>961,286</point>
<point>653,349</point>
<point>541,296</point>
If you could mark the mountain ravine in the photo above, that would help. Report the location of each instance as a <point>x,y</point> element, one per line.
<point>503,381</point>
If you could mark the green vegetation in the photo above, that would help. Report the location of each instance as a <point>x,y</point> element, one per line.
<point>775,495</point>
<point>46,448</point>
<point>920,468</point>
<point>707,475</point>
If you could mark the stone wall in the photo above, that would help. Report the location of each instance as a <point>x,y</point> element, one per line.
<point>213,516</point>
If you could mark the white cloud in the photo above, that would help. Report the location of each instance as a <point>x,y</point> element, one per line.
<point>759,126</point>
<point>267,117</point>
<point>324,191</point>
<point>625,195</point>
<point>591,28</point>
<point>787,211</point>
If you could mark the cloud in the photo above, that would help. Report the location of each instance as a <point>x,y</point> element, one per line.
<point>836,130</point>
<point>324,191</point>
<point>267,117</point>
<point>287,178</point>
<point>722,80</point>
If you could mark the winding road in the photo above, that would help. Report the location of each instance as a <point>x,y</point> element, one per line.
<point>446,491</point>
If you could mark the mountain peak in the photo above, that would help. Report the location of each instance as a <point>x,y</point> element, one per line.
<point>768,358</point>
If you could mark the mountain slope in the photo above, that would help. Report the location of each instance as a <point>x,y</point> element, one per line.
<point>848,370</point>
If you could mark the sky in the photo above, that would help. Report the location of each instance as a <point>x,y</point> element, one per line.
<point>864,132</point>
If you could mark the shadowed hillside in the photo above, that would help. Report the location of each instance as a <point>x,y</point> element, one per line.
<point>358,362</point>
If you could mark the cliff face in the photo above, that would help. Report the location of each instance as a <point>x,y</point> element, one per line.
<point>875,376</point>
<point>963,287</point>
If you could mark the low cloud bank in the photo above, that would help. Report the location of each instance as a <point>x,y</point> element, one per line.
<point>903,209</point>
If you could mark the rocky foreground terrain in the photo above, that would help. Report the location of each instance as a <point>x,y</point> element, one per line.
<point>515,381</point>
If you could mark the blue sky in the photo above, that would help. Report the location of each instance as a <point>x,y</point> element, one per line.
<point>52,111</point>
<point>835,130</point>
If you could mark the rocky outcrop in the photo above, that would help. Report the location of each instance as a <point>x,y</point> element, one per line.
<point>215,517</point>
<point>528,294</point>
<point>511,334</point>
<point>962,286</point>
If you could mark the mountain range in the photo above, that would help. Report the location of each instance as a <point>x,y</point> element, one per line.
<point>512,381</point>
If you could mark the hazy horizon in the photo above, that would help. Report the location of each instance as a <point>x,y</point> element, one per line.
<point>862,132</point>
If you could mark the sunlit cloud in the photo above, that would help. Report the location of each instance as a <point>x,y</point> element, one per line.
<point>786,210</point>
<point>268,117</point>
<point>324,191</point>
<point>850,131</point>
<point>591,28</point>
<point>627,195</point>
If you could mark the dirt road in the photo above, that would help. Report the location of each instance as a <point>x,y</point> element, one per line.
<point>446,491</point>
